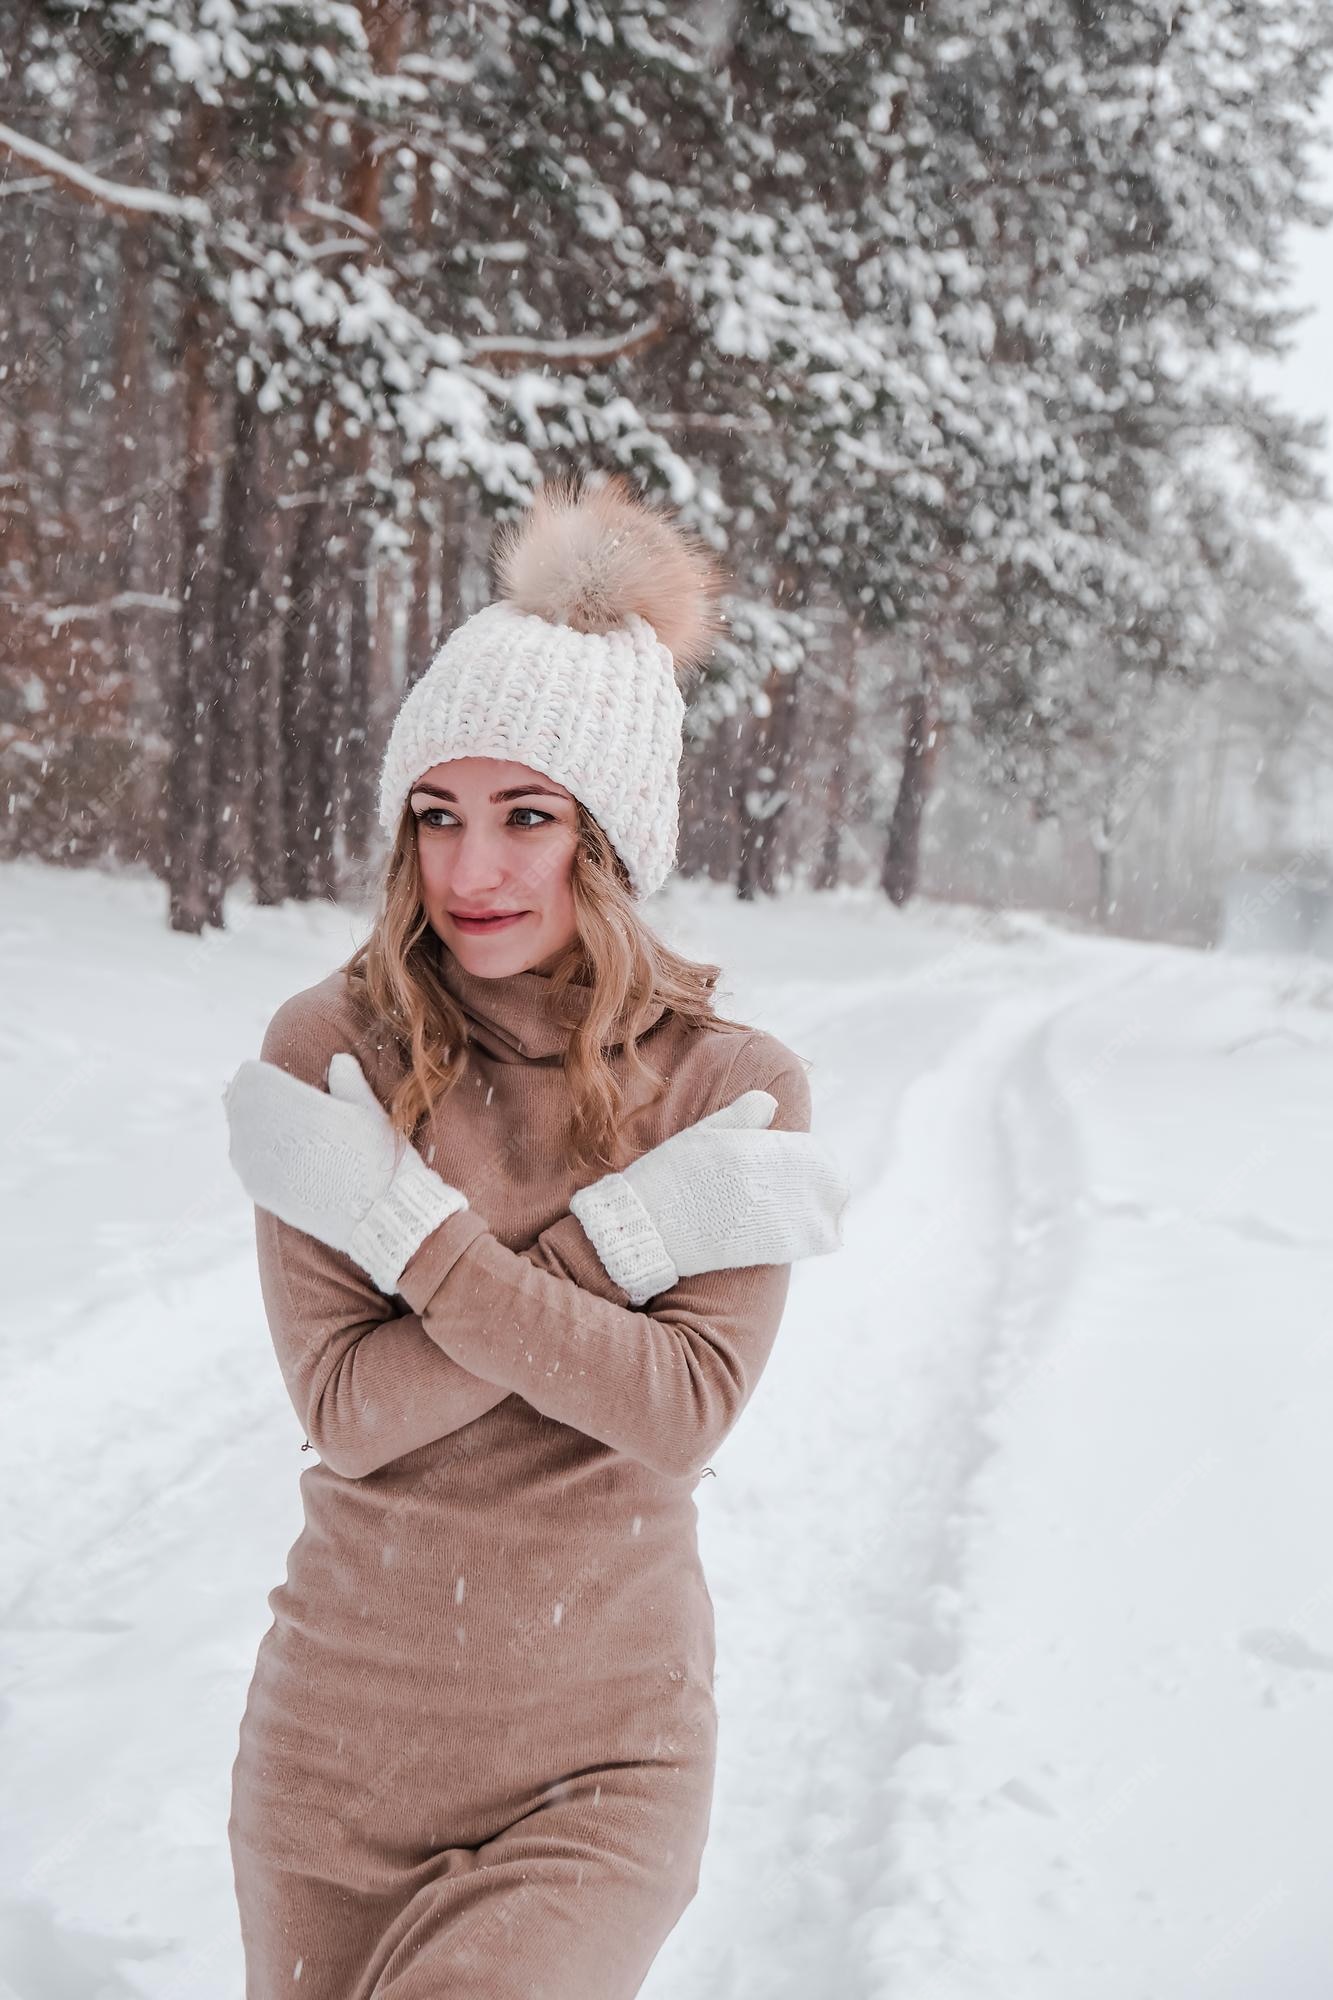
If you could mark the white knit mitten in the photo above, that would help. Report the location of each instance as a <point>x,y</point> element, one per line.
<point>720,1194</point>
<point>333,1164</point>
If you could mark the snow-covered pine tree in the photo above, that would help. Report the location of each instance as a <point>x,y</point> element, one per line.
<point>931,318</point>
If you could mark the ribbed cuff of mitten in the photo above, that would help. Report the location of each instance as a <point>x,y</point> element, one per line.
<point>625,1237</point>
<point>416,1202</point>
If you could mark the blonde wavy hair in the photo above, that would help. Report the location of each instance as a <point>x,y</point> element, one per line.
<point>395,974</point>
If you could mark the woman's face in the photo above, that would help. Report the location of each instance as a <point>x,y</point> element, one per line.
<point>494,837</point>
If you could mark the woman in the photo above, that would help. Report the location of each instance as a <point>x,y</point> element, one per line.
<point>477,1753</point>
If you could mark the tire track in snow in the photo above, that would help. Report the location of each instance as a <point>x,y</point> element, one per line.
<point>848,1498</point>
<point>915,1944</point>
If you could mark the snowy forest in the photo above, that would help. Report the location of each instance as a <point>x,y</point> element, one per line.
<point>936,321</point>
<point>967,337</point>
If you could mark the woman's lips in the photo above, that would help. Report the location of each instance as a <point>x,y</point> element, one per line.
<point>484,924</point>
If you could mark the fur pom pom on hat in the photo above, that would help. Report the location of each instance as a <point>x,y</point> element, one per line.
<point>606,610</point>
<point>588,559</point>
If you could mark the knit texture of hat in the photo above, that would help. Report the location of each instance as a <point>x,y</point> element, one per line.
<point>575,670</point>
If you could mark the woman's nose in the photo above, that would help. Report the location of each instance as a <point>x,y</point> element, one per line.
<point>478,862</point>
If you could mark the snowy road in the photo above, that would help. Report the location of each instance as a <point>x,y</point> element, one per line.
<point>845,1500</point>
<point>1025,1623</point>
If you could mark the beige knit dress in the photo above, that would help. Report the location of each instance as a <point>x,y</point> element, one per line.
<point>477,1753</point>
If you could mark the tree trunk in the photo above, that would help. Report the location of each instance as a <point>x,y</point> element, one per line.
<point>268,859</point>
<point>327,748</point>
<point>841,725</point>
<point>233,745</point>
<point>190,707</point>
<point>902,855</point>
<point>421,626</point>
<point>1105,879</point>
<point>299,718</point>
<point>385,23</point>
<point>781,761</point>
<point>131,445</point>
<point>767,767</point>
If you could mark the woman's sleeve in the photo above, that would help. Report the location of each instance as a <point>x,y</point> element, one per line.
<point>664,1384</point>
<point>366,1380</point>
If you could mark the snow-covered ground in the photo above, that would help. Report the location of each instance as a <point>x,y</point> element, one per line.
<point>1020,1554</point>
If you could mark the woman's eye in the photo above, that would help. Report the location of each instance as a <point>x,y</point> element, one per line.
<point>539,818</point>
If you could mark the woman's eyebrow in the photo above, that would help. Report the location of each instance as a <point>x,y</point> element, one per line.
<point>497,798</point>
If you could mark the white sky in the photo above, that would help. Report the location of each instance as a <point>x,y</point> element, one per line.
<point>1304,378</point>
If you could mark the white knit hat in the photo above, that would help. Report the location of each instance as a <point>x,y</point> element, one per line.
<point>605,609</point>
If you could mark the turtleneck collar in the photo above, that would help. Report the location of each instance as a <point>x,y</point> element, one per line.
<point>513,1019</point>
